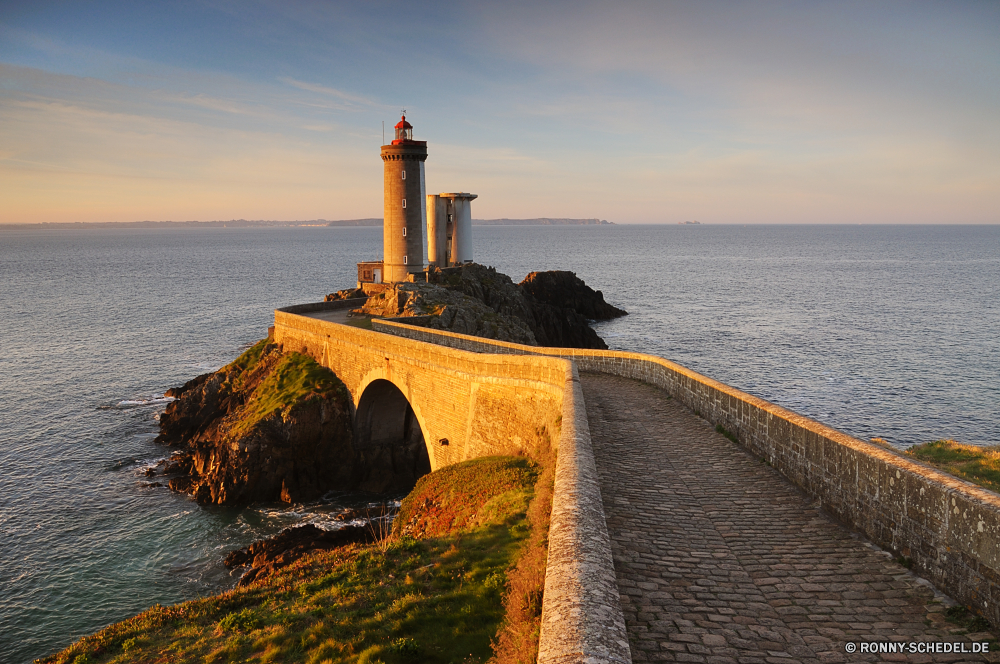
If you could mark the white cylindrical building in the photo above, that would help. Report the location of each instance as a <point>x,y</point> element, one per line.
<point>437,231</point>
<point>459,227</point>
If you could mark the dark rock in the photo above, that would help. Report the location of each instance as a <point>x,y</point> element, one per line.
<point>265,556</point>
<point>449,309</point>
<point>346,294</point>
<point>178,464</point>
<point>233,455</point>
<point>561,307</point>
<point>565,290</point>
<point>547,308</point>
<point>184,417</point>
<point>563,328</point>
<point>366,513</point>
<point>494,289</point>
<point>181,484</point>
<point>555,306</point>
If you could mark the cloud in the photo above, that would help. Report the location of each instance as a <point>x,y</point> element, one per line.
<point>811,66</point>
<point>351,102</point>
<point>638,111</point>
<point>88,157</point>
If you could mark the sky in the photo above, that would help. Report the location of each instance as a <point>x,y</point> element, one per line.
<point>634,112</point>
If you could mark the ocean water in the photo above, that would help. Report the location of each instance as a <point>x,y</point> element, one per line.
<point>884,331</point>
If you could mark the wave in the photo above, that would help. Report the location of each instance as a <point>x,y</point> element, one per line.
<point>326,515</point>
<point>145,402</point>
<point>139,402</point>
<point>205,367</point>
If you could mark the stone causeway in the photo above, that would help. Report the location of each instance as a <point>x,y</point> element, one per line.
<point>669,540</point>
<point>720,559</point>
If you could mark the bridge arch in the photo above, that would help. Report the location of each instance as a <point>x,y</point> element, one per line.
<point>389,438</point>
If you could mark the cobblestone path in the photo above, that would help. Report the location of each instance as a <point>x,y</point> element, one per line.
<point>720,559</point>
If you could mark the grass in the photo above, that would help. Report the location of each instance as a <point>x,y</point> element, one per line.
<point>463,496</point>
<point>365,323</point>
<point>450,596</point>
<point>979,465</point>
<point>250,357</point>
<point>961,616</point>
<point>726,432</point>
<point>294,378</point>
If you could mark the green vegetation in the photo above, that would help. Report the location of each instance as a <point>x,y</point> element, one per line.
<point>725,432</point>
<point>979,465</point>
<point>464,592</point>
<point>365,323</point>
<point>296,378</point>
<point>250,357</point>
<point>961,616</point>
<point>291,378</point>
<point>463,496</point>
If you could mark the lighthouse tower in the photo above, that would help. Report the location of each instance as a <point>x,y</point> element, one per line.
<point>405,200</point>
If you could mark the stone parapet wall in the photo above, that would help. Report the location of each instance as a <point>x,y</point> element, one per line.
<point>396,327</point>
<point>335,305</point>
<point>948,527</point>
<point>582,617</point>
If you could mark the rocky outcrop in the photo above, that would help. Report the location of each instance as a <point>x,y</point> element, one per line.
<point>546,309</point>
<point>346,294</point>
<point>565,290</point>
<point>265,556</point>
<point>276,426</point>
<point>452,309</point>
<point>563,306</point>
<point>268,427</point>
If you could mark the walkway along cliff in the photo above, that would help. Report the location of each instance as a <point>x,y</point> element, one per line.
<point>474,397</point>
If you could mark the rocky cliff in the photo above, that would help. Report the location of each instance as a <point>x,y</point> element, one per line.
<point>271,426</point>
<point>564,289</point>
<point>546,309</point>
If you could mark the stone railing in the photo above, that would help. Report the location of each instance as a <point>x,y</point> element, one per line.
<point>335,305</point>
<point>949,528</point>
<point>582,617</point>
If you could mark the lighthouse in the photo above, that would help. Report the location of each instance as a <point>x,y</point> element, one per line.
<point>407,207</point>
<point>405,201</point>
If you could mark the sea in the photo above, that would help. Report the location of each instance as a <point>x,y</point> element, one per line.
<point>879,331</point>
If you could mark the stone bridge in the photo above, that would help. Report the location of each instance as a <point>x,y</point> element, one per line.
<point>691,521</point>
<point>467,405</point>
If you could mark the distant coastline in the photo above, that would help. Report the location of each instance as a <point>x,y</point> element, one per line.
<point>263,223</point>
<point>541,221</point>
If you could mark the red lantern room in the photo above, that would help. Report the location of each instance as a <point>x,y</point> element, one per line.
<point>404,132</point>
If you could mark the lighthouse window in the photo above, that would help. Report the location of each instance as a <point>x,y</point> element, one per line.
<point>404,175</point>
<point>404,260</point>
<point>404,202</point>
<point>404,232</point>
